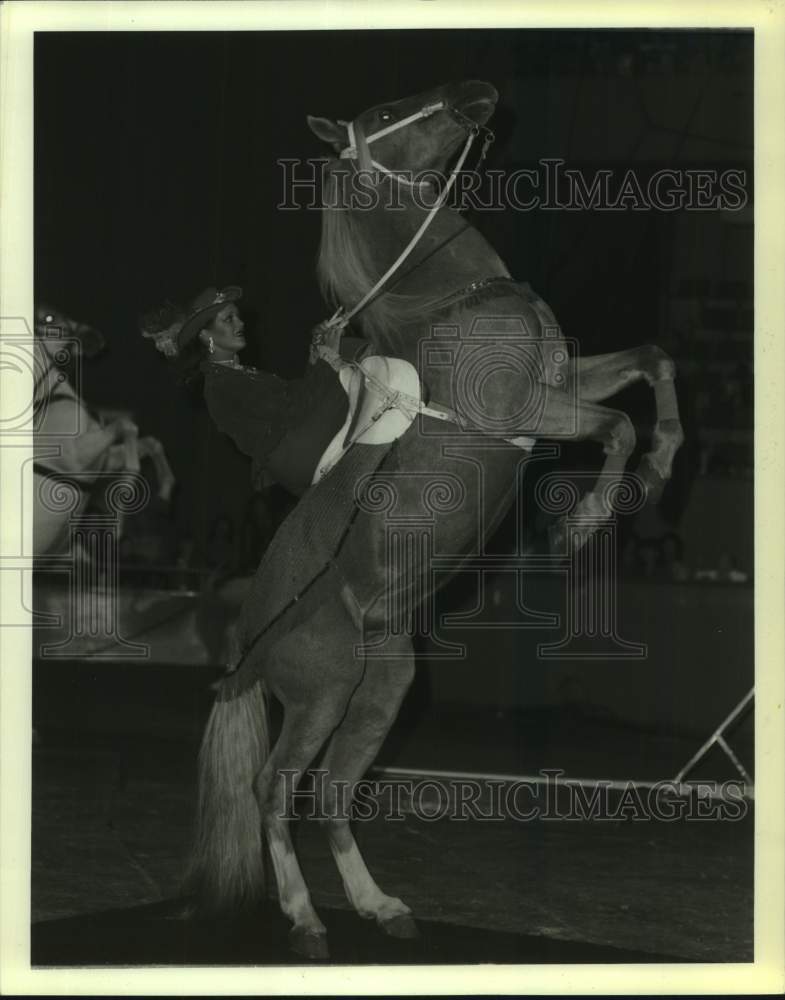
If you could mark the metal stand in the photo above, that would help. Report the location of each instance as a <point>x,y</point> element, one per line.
<point>717,737</point>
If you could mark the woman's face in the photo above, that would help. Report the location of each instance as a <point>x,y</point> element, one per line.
<point>226,330</point>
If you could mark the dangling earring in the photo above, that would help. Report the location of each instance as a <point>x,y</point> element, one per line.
<point>211,345</point>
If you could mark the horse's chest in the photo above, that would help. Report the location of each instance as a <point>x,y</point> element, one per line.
<point>484,359</point>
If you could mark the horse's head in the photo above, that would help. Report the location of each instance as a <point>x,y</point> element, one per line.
<point>413,134</point>
<point>405,142</point>
<point>52,323</point>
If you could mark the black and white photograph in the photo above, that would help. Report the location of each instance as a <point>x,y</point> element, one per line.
<point>385,547</point>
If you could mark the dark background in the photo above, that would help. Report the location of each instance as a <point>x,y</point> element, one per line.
<point>156,175</point>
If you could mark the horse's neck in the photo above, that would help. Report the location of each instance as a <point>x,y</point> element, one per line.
<point>53,384</point>
<point>450,254</point>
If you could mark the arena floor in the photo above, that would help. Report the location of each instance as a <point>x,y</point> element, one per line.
<point>112,805</point>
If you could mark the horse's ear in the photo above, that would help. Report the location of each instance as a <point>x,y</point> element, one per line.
<point>328,131</point>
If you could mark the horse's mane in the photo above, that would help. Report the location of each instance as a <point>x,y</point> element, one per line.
<point>346,274</point>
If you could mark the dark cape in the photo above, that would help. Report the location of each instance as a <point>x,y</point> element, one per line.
<point>283,425</point>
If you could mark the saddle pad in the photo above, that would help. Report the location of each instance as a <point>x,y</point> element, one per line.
<point>373,417</point>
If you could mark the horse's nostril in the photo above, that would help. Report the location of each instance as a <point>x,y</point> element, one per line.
<point>479,90</point>
<point>476,100</point>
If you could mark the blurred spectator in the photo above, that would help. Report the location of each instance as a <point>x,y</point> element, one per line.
<point>729,571</point>
<point>641,556</point>
<point>648,558</point>
<point>656,558</point>
<point>673,565</point>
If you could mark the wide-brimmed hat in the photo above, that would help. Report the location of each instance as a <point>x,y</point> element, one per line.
<point>202,309</point>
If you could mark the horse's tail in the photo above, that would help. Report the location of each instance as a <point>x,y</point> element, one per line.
<point>226,869</point>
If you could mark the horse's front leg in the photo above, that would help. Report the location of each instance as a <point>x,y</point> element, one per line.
<point>114,448</point>
<point>610,428</point>
<point>603,375</point>
<point>151,447</point>
<point>91,448</point>
<point>129,442</point>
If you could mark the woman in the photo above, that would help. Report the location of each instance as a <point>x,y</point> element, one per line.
<point>283,425</point>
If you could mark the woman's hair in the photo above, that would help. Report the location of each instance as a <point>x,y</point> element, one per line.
<point>162,323</point>
<point>188,362</point>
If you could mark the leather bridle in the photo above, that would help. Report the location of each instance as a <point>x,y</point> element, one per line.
<point>358,143</point>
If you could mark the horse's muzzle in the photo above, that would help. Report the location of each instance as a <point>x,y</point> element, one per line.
<point>475,99</point>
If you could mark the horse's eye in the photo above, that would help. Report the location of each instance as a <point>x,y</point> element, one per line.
<point>386,116</point>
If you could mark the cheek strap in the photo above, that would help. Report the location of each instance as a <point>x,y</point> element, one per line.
<point>359,141</point>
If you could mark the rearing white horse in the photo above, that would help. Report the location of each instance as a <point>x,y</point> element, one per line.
<point>72,439</point>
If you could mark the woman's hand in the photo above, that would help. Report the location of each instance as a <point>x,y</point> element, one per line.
<point>326,336</point>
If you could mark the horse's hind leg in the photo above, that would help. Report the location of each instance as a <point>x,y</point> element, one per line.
<point>313,678</point>
<point>613,429</point>
<point>603,375</point>
<point>352,749</point>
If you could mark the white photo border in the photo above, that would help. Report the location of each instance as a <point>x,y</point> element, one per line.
<point>18,22</point>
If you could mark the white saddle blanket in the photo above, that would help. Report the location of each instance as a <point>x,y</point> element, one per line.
<point>385,395</point>
<point>377,412</point>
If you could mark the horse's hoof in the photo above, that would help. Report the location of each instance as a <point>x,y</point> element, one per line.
<point>309,944</point>
<point>402,925</point>
<point>652,480</point>
<point>558,538</point>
